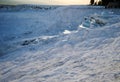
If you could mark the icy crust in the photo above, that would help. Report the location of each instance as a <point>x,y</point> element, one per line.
<point>87,53</point>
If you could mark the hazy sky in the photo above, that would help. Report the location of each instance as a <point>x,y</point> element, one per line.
<point>55,2</point>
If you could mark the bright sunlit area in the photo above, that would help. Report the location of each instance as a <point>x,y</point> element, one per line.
<point>49,2</point>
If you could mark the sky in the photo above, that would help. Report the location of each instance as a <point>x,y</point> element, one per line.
<point>50,2</point>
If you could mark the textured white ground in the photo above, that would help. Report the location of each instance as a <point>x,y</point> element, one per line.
<point>61,44</point>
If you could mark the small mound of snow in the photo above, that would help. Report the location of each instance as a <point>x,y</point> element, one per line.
<point>67,32</point>
<point>48,37</point>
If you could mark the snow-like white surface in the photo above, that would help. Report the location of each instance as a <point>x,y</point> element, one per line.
<point>60,44</point>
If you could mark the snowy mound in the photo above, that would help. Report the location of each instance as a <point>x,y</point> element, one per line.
<point>67,44</point>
